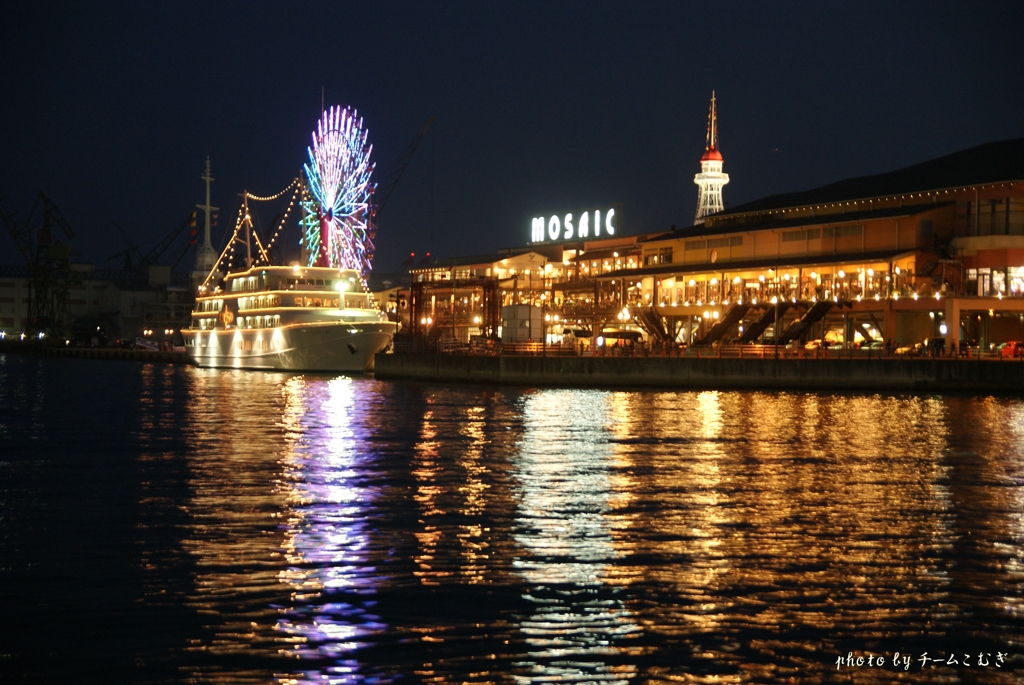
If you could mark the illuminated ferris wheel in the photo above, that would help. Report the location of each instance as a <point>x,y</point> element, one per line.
<point>337,226</point>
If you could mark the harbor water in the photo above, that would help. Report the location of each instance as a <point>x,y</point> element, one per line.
<point>162,523</point>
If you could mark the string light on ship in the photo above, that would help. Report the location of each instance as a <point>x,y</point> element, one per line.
<point>228,252</point>
<point>270,198</point>
<point>284,218</point>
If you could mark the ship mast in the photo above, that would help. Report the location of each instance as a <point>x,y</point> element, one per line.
<point>205,255</point>
<point>248,231</point>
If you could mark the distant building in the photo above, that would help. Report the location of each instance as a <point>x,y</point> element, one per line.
<point>107,304</point>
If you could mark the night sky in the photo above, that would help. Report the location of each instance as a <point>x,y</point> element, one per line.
<point>111,109</point>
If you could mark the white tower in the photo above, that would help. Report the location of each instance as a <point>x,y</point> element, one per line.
<point>710,179</point>
<point>206,256</point>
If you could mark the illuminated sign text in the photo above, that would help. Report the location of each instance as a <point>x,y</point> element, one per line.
<point>564,228</point>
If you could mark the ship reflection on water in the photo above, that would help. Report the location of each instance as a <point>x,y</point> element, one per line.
<point>348,530</point>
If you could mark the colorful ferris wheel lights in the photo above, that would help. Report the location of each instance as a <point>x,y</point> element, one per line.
<point>338,223</point>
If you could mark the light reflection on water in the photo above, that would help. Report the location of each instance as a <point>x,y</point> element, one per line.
<point>562,527</point>
<point>300,529</point>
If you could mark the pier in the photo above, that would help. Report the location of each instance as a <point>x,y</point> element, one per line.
<point>861,373</point>
<point>138,355</point>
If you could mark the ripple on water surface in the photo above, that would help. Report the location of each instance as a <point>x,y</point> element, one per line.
<point>183,524</point>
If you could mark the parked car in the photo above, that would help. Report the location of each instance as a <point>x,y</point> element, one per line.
<point>817,345</point>
<point>1013,349</point>
<point>928,346</point>
<point>965,347</point>
<point>932,346</point>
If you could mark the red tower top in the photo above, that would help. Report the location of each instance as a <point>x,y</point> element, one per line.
<point>711,152</point>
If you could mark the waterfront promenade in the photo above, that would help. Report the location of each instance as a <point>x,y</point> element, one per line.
<point>703,369</point>
<point>709,371</point>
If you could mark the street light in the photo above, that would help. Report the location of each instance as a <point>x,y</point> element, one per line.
<point>775,327</point>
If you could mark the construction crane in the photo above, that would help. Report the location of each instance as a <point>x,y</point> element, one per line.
<point>49,263</point>
<point>387,187</point>
<point>133,256</point>
<point>166,241</point>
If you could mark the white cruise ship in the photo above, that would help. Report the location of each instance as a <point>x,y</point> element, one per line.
<point>296,318</point>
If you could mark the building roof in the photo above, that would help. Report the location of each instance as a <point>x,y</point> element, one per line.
<point>989,163</point>
<point>711,155</point>
<point>780,221</point>
<point>471,260</point>
<point>608,253</point>
<point>774,262</point>
<point>12,271</point>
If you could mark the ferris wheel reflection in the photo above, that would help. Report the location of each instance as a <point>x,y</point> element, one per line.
<point>327,539</point>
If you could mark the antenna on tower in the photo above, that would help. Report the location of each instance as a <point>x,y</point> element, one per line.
<point>712,141</point>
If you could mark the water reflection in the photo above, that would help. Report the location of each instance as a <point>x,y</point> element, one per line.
<point>344,530</point>
<point>564,492</point>
<point>326,531</point>
<point>773,528</point>
<point>278,524</point>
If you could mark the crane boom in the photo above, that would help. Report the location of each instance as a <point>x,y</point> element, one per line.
<point>388,186</point>
<point>19,230</point>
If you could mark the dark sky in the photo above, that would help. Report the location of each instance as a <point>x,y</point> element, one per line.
<point>112,108</point>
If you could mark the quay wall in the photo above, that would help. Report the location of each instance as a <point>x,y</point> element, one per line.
<point>944,374</point>
<point>113,353</point>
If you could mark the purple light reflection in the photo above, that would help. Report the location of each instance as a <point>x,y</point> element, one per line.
<point>326,535</point>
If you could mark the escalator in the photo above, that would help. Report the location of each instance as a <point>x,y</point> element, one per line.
<point>651,321</point>
<point>755,329</point>
<point>813,315</point>
<point>731,318</point>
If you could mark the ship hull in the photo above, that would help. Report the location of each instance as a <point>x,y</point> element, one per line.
<point>335,346</point>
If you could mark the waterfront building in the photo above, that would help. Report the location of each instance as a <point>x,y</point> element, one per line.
<point>931,250</point>
<point>710,179</point>
<point>463,297</point>
<point>935,249</point>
